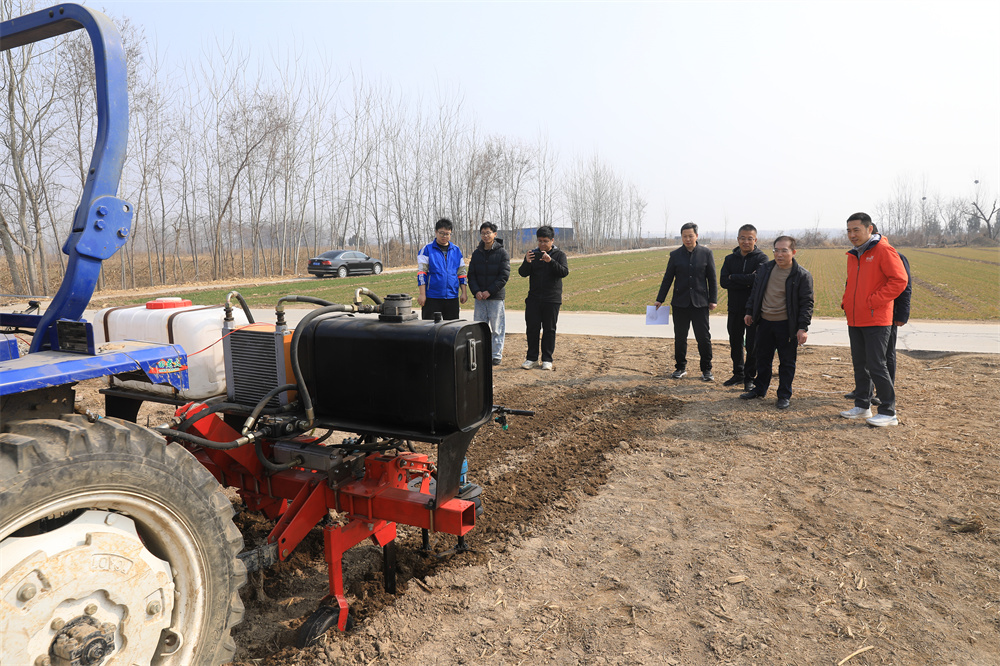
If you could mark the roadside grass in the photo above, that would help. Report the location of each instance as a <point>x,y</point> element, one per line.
<point>949,283</point>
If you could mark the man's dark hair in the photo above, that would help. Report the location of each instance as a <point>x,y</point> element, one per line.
<point>690,225</point>
<point>791,241</point>
<point>545,231</point>
<point>874,228</point>
<point>443,223</point>
<point>745,227</point>
<point>864,218</point>
<point>488,225</point>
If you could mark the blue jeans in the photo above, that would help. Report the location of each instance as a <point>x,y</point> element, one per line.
<point>492,312</point>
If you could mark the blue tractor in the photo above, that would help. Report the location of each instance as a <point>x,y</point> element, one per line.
<point>116,547</point>
<point>117,544</point>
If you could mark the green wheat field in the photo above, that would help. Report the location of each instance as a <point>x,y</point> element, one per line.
<point>948,283</point>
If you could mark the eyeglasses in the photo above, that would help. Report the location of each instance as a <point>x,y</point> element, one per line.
<point>446,234</point>
<point>746,238</point>
<point>486,232</point>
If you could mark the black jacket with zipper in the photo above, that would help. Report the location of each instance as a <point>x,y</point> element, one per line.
<point>737,276</point>
<point>489,270</point>
<point>798,296</point>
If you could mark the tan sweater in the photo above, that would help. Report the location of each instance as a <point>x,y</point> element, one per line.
<point>773,308</point>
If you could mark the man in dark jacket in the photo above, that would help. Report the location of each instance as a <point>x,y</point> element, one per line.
<point>900,315</point>
<point>489,270</point>
<point>695,293</point>
<point>737,276</point>
<point>781,304</point>
<point>545,267</point>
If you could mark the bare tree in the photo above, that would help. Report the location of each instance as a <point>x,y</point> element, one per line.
<point>978,207</point>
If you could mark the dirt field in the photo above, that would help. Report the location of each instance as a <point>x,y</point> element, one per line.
<point>643,520</point>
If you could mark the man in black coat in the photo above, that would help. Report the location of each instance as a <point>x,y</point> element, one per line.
<point>545,267</point>
<point>738,271</point>
<point>781,304</point>
<point>691,270</point>
<point>489,271</point>
<point>900,315</point>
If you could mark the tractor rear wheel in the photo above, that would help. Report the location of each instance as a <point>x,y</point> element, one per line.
<point>115,546</point>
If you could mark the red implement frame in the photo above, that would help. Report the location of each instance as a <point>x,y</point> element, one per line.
<point>300,499</point>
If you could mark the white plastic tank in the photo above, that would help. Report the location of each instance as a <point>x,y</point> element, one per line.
<point>172,320</point>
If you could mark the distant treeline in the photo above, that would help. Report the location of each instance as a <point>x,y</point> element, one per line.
<point>249,169</point>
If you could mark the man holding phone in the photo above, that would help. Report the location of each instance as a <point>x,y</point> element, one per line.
<point>545,267</point>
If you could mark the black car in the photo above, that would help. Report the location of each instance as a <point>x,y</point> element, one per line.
<point>343,263</point>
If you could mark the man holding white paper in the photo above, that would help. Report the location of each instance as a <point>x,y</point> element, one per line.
<point>691,271</point>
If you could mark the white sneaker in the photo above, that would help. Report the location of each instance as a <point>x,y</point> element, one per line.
<point>857,413</point>
<point>546,365</point>
<point>882,420</point>
<point>528,365</point>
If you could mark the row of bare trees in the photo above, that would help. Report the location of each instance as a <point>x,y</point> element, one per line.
<point>935,219</point>
<point>235,168</point>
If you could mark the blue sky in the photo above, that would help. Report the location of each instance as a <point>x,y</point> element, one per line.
<point>781,114</point>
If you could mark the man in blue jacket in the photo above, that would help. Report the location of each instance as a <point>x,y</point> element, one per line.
<point>441,275</point>
<point>691,269</point>
<point>489,270</point>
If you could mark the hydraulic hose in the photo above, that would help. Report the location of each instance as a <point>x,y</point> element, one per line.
<point>279,308</point>
<point>254,437</point>
<point>243,304</point>
<point>303,299</point>
<point>270,466</point>
<point>367,292</point>
<point>208,443</point>
<point>255,414</point>
<point>191,419</point>
<point>297,369</point>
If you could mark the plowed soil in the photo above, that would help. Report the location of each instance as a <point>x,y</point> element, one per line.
<point>643,520</point>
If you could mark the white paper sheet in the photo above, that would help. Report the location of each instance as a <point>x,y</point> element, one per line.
<point>655,317</point>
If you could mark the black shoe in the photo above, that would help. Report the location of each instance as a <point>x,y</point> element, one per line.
<point>748,385</point>
<point>677,374</point>
<point>707,376</point>
<point>750,395</point>
<point>876,401</point>
<point>496,361</point>
<point>783,403</point>
<point>733,381</point>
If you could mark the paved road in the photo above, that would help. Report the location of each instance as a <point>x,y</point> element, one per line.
<point>915,336</point>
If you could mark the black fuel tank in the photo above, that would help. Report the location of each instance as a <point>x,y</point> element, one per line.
<point>412,376</point>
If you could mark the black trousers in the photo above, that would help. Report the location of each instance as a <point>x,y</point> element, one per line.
<point>448,307</point>
<point>774,336</point>
<point>890,355</point>
<point>684,319</point>
<point>869,345</point>
<point>540,317</point>
<point>738,333</point>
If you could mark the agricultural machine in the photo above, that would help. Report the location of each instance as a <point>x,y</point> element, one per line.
<point>117,542</point>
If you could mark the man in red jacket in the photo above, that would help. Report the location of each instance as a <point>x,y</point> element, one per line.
<point>875,277</point>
